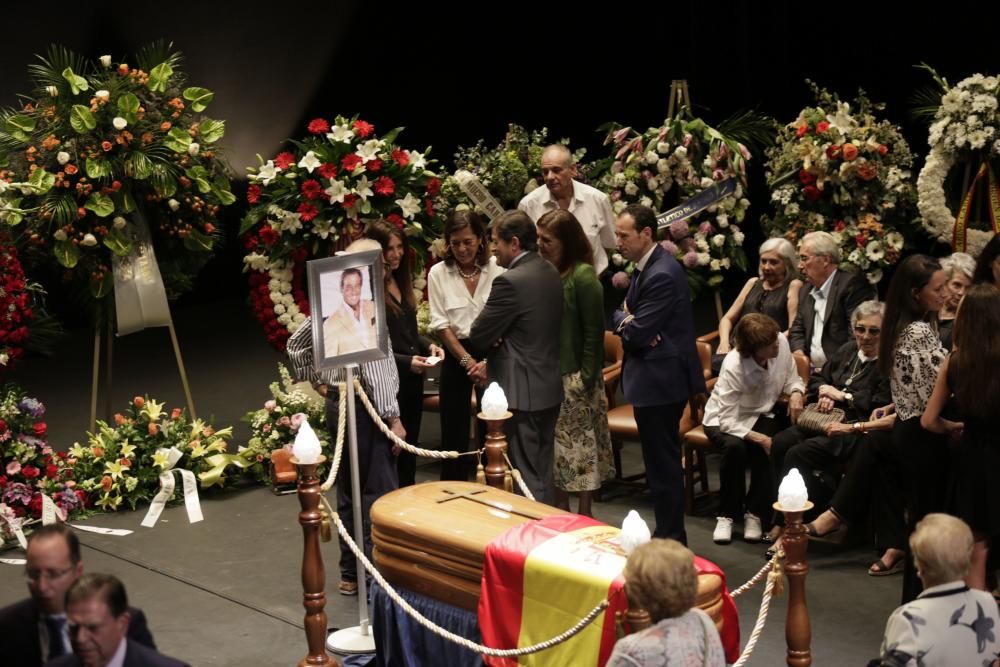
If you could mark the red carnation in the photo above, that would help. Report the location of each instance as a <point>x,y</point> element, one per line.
<point>3,481</point>
<point>328,170</point>
<point>284,160</point>
<point>822,127</point>
<point>269,235</point>
<point>395,219</point>
<point>350,161</point>
<point>429,207</point>
<point>384,186</point>
<point>401,157</point>
<point>30,472</point>
<point>434,187</point>
<point>832,151</point>
<point>349,200</point>
<point>318,126</point>
<point>311,189</point>
<point>807,177</point>
<point>812,193</point>
<point>250,242</point>
<point>40,429</point>
<point>374,166</point>
<point>253,194</point>
<point>35,506</point>
<point>3,426</point>
<point>307,212</point>
<point>51,471</point>
<point>363,129</point>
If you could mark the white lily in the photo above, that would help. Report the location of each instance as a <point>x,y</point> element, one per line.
<point>341,133</point>
<point>417,160</point>
<point>309,162</point>
<point>842,120</point>
<point>267,173</point>
<point>368,151</point>
<point>362,190</point>
<point>336,191</point>
<point>410,205</point>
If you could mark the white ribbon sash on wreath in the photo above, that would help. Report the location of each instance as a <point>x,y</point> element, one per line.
<point>191,501</point>
<point>477,192</point>
<point>13,561</point>
<point>51,513</point>
<point>140,298</point>
<point>116,532</point>
<point>14,525</point>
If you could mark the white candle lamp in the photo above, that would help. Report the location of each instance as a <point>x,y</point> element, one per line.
<point>494,403</point>
<point>306,449</point>
<point>792,493</point>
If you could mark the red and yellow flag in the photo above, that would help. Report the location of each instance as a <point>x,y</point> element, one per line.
<point>542,577</point>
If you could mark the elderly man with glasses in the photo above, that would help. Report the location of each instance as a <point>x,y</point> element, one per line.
<point>35,630</point>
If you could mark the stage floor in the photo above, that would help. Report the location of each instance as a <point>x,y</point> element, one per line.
<point>227,591</point>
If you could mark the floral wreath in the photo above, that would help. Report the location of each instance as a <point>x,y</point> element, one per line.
<point>967,124</point>
<point>315,199</point>
<point>667,165</point>
<point>15,308</point>
<point>845,172</point>
<point>98,143</point>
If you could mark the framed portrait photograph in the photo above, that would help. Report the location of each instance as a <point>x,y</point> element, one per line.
<point>347,302</point>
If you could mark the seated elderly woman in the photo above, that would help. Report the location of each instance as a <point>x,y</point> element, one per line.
<point>959,268</point>
<point>740,418</point>
<point>949,623</point>
<point>849,381</point>
<point>660,577</point>
<point>774,292</point>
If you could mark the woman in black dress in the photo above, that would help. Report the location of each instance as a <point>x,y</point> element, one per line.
<point>970,373</point>
<point>411,350</point>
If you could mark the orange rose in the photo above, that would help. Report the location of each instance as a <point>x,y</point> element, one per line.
<point>850,152</point>
<point>152,428</point>
<point>176,413</point>
<point>70,169</point>
<point>107,146</point>
<point>866,172</point>
<point>125,463</point>
<point>882,149</point>
<point>138,402</point>
<point>106,483</point>
<point>119,418</point>
<point>165,125</point>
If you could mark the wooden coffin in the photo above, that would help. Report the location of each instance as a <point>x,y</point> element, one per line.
<point>431,539</point>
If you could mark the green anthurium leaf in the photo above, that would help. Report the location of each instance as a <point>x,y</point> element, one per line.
<point>199,97</point>
<point>197,241</point>
<point>177,140</point>
<point>124,203</point>
<point>220,188</point>
<point>211,131</point>
<point>128,107</point>
<point>42,181</point>
<point>102,287</point>
<point>117,242</point>
<point>67,253</point>
<point>168,188</point>
<point>199,175</point>
<point>159,76</point>
<point>98,168</point>
<point>77,83</point>
<point>20,126</point>
<point>102,205</point>
<point>81,119</point>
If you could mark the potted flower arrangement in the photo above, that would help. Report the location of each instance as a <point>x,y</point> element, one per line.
<point>846,172</point>
<point>100,147</point>
<point>313,199</point>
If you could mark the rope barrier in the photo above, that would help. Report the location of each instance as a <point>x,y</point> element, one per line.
<point>774,581</point>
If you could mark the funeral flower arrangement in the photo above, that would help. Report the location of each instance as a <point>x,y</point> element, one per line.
<point>99,147</point>
<point>276,424</point>
<point>966,128</point>
<point>509,170</point>
<point>15,308</point>
<point>121,462</point>
<point>29,467</point>
<point>664,166</point>
<point>315,198</point>
<point>839,168</point>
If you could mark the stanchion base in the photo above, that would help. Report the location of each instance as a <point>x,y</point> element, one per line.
<point>350,640</point>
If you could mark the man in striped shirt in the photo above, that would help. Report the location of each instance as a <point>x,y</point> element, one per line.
<point>376,455</point>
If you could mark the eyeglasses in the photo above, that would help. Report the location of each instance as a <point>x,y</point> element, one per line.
<point>872,331</point>
<point>51,575</point>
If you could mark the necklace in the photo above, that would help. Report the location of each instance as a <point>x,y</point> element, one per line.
<point>855,371</point>
<point>470,276</point>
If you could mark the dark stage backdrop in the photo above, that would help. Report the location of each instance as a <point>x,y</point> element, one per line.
<point>452,75</point>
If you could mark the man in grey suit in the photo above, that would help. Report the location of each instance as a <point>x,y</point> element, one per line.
<point>519,325</point>
<point>823,321</point>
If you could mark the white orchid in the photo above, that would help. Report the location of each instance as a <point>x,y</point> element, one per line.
<point>410,205</point>
<point>309,162</point>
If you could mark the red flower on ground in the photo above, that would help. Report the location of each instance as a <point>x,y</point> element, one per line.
<point>384,186</point>
<point>30,472</point>
<point>284,160</point>
<point>401,157</point>
<point>269,235</point>
<point>350,161</point>
<point>311,189</point>
<point>434,187</point>
<point>328,170</point>
<point>307,212</point>
<point>318,126</point>
<point>363,129</point>
<point>253,194</point>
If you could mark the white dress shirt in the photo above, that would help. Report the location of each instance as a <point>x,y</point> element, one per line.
<point>118,659</point>
<point>451,304</point>
<point>746,390</point>
<point>589,206</point>
<point>817,357</point>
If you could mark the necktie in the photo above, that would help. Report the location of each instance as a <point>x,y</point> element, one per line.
<point>56,645</point>
<point>632,288</point>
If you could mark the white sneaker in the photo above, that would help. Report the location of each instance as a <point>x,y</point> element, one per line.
<point>723,533</point>
<point>751,528</point>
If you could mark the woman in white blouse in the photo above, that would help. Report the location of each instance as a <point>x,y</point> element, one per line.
<point>739,418</point>
<point>910,353</point>
<point>457,289</point>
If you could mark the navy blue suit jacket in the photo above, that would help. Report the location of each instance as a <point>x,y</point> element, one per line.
<point>660,301</point>
<point>136,655</point>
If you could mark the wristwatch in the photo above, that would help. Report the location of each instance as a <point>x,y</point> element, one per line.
<point>849,397</point>
<point>856,427</point>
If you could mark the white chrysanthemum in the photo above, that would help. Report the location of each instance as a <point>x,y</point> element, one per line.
<point>874,251</point>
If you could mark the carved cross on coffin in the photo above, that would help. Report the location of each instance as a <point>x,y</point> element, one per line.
<point>470,495</point>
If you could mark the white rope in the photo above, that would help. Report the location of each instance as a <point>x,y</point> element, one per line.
<point>756,579</point>
<point>758,628</point>
<point>516,474</point>
<point>338,449</point>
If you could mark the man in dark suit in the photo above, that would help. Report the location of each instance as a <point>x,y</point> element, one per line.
<point>99,619</point>
<point>661,369</point>
<point>823,321</point>
<point>34,630</point>
<point>519,325</point>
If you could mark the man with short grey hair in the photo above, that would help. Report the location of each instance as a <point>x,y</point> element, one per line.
<point>823,322</point>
